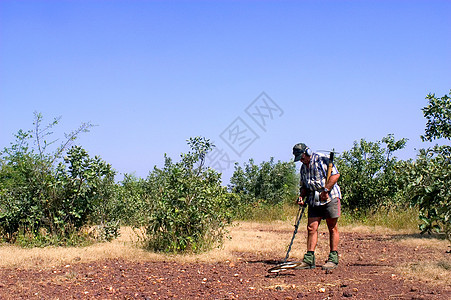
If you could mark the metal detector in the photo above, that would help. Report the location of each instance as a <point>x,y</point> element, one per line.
<point>290,265</point>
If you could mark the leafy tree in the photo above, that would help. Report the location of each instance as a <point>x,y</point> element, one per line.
<point>430,176</point>
<point>438,116</point>
<point>87,190</point>
<point>268,183</point>
<point>368,173</point>
<point>187,208</point>
<point>131,200</point>
<point>42,199</point>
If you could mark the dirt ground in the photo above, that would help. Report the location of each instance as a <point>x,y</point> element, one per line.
<point>369,269</point>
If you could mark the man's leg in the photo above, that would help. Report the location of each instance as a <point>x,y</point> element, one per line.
<point>312,238</point>
<point>332,261</point>
<point>334,238</point>
<point>312,233</point>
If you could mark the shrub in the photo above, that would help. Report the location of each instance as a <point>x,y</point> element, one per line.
<point>369,173</point>
<point>430,176</point>
<point>188,208</point>
<point>132,200</point>
<point>268,183</point>
<point>47,200</point>
<point>430,179</point>
<point>87,188</point>
<point>438,116</point>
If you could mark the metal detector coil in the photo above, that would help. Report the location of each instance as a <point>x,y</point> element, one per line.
<point>290,265</point>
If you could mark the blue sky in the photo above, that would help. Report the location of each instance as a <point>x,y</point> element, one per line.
<point>151,74</point>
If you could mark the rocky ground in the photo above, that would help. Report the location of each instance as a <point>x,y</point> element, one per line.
<point>369,269</point>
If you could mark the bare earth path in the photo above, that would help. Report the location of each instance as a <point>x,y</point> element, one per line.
<point>369,269</point>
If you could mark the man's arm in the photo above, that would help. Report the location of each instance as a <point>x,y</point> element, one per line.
<point>332,181</point>
<point>329,185</point>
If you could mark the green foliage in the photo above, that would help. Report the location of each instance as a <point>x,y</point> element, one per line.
<point>188,208</point>
<point>438,116</point>
<point>269,183</point>
<point>132,201</point>
<point>430,176</point>
<point>46,202</point>
<point>429,189</point>
<point>50,194</point>
<point>369,173</point>
<point>87,187</point>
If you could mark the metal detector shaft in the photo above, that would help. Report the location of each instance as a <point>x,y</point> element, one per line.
<point>296,226</point>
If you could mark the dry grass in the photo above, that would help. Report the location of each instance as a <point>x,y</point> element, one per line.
<point>13,256</point>
<point>436,272</point>
<point>251,237</point>
<point>398,220</point>
<point>265,240</point>
<point>375,229</point>
<point>417,240</point>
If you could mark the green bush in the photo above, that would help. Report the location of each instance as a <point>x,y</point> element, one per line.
<point>430,176</point>
<point>429,189</point>
<point>438,116</point>
<point>269,183</point>
<point>370,174</point>
<point>47,200</point>
<point>88,193</point>
<point>132,200</point>
<point>188,208</point>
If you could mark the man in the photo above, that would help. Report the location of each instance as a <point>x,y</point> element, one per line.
<point>323,199</point>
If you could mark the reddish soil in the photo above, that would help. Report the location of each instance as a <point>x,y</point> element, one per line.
<point>366,271</point>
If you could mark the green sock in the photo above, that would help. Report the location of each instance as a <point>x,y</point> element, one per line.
<point>333,257</point>
<point>309,257</point>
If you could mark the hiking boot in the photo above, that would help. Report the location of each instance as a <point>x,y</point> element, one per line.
<point>329,265</point>
<point>332,261</point>
<point>308,262</point>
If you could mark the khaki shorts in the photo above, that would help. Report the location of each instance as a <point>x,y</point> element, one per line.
<point>326,211</point>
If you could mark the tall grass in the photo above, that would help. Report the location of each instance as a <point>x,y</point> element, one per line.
<point>394,218</point>
<point>267,213</point>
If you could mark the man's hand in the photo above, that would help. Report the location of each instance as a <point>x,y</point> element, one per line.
<point>323,196</point>
<point>301,201</point>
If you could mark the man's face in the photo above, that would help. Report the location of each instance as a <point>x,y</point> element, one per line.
<point>305,159</point>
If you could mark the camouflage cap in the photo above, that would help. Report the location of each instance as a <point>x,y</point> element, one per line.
<point>298,149</point>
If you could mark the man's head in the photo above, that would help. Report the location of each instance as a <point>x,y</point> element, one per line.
<point>301,152</point>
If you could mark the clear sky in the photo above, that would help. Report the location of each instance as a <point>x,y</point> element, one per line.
<point>256,77</point>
